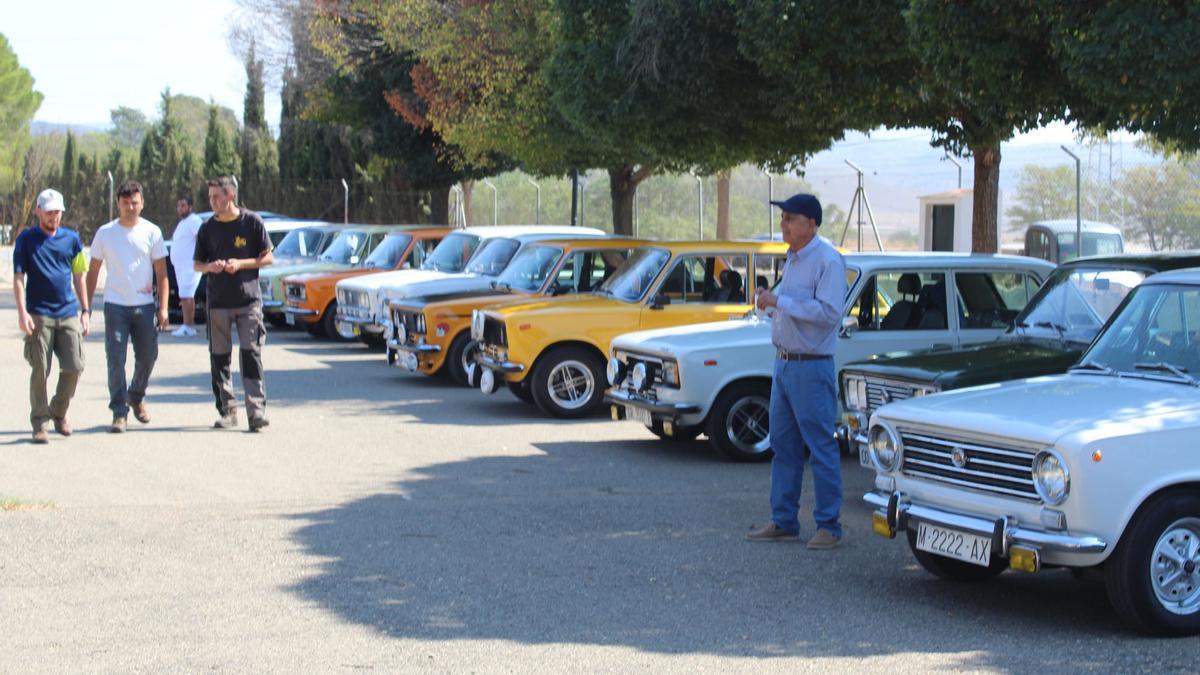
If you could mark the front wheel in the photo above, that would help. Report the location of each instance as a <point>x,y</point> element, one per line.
<point>739,423</point>
<point>329,324</point>
<point>462,352</point>
<point>375,342</point>
<point>955,570</point>
<point>1153,576</point>
<point>568,382</point>
<point>276,319</point>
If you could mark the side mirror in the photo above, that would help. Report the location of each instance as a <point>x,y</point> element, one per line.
<point>558,289</point>
<point>406,266</point>
<point>660,300</point>
<point>353,260</point>
<point>849,325</point>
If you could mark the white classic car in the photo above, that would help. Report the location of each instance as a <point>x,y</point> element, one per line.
<point>895,301</point>
<point>1092,469</point>
<point>466,260</point>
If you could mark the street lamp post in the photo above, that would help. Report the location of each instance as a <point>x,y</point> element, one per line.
<point>495,199</point>
<point>345,201</point>
<point>537,208</point>
<point>1078,218</point>
<point>699,204</point>
<point>770,209</point>
<point>110,195</point>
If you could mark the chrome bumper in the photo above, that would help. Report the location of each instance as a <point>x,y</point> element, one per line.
<point>500,366</point>
<point>399,346</point>
<point>272,304</point>
<point>900,511</point>
<point>301,311</point>
<point>621,397</point>
<point>362,322</point>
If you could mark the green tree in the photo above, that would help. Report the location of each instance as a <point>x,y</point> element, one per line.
<point>68,172</point>
<point>129,127</point>
<point>1163,202</point>
<point>167,166</point>
<point>18,103</point>
<point>219,156</point>
<point>256,147</point>
<point>1043,193</point>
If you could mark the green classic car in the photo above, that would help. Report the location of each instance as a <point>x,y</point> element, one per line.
<point>1047,337</point>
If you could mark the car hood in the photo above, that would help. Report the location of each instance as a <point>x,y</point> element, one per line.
<point>1003,359</point>
<point>329,276</point>
<point>459,282</point>
<point>708,337</point>
<point>288,270</point>
<point>373,282</point>
<point>486,296</point>
<point>1048,409</point>
<point>582,303</point>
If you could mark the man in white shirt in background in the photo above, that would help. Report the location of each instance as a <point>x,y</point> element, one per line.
<point>136,255</point>
<point>183,245</point>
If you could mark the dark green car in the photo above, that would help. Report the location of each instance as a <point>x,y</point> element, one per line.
<point>1047,337</point>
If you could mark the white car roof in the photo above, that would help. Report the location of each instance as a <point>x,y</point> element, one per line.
<point>1067,226</point>
<point>1190,275</point>
<point>939,259</point>
<point>525,231</point>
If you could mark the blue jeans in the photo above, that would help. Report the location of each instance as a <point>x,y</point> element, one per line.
<point>121,323</point>
<point>803,412</point>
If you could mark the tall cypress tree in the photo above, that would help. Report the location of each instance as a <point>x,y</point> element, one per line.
<point>256,147</point>
<point>219,156</point>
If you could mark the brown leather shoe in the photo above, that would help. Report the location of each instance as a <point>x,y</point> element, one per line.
<point>772,532</point>
<point>823,540</point>
<point>118,426</point>
<point>40,437</point>
<point>62,426</point>
<point>141,413</point>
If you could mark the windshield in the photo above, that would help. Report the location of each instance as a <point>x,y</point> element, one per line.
<point>632,279</point>
<point>1075,302</point>
<point>530,269</point>
<point>493,256</point>
<point>1094,243</point>
<point>302,242</point>
<point>387,254</point>
<point>345,248</point>
<point>452,254</point>
<point>1156,334</point>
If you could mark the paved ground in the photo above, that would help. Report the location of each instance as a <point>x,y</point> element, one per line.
<point>393,523</point>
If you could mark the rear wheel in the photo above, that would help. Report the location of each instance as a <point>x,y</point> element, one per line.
<point>955,570</point>
<point>568,382</point>
<point>738,425</point>
<point>461,353</point>
<point>1153,576</point>
<point>329,324</point>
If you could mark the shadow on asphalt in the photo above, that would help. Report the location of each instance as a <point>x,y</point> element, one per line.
<point>641,545</point>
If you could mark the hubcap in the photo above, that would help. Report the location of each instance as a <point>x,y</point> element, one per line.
<point>469,354</point>
<point>747,425</point>
<point>1173,567</point>
<point>571,385</point>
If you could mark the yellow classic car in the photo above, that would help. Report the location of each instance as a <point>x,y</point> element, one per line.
<point>553,350</point>
<point>432,334</point>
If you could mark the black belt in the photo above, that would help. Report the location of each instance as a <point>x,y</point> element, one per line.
<point>795,356</point>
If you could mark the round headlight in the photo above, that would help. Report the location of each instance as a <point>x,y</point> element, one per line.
<point>1051,477</point>
<point>615,371</point>
<point>637,375</point>
<point>884,448</point>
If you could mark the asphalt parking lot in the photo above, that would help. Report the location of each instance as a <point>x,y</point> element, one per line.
<point>393,522</point>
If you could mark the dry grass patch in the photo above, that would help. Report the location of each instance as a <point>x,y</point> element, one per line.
<point>11,504</point>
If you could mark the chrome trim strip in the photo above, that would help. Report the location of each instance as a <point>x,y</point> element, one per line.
<point>950,467</point>
<point>974,485</point>
<point>419,349</point>
<point>969,446</point>
<point>631,399</point>
<point>301,311</point>
<point>502,366</point>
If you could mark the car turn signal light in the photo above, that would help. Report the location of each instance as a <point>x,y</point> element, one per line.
<point>879,524</point>
<point>1023,559</point>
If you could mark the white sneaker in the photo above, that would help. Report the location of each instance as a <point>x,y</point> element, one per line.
<point>191,332</point>
<point>180,332</point>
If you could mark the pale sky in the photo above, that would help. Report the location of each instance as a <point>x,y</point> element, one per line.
<point>90,56</point>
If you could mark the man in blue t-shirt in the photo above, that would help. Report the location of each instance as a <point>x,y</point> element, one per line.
<point>48,267</point>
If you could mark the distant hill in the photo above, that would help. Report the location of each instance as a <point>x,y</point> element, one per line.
<point>47,128</point>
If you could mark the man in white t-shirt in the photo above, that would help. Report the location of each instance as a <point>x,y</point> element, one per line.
<point>136,254</point>
<point>183,245</point>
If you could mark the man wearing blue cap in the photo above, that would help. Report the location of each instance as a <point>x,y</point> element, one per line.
<point>808,310</point>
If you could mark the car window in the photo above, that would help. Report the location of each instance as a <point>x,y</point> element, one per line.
<point>421,251</point>
<point>345,248</point>
<point>587,270</point>
<point>707,279</point>
<point>902,300</point>
<point>631,281</point>
<point>990,299</point>
<point>493,256</point>
<point>387,254</point>
<point>452,253</point>
<point>1159,325</point>
<point>530,268</point>
<point>768,270</point>
<point>303,242</point>
<point>1076,301</point>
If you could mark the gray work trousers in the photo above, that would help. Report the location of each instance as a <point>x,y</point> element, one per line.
<point>251,335</point>
<point>61,337</point>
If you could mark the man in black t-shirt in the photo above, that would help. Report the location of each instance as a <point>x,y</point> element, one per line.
<point>231,247</point>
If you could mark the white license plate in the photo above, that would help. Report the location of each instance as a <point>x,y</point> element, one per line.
<point>349,328</point>
<point>290,319</point>
<point>637,414</point>
<point>963,546</point>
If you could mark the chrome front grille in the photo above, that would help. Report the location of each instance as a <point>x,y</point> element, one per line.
<point>410,321</point>
<point>494,332</point>
<point>998,469</point>
<point>348,298</point>
<point>881,392</point>
<point>653,373</point>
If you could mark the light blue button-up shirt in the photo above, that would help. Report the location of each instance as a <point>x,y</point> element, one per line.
<point>810,297</point>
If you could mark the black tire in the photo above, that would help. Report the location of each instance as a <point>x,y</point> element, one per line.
<point>521,390</point>
<point>315,329</point>
<point>461,352</point>
<point>738,423</point>
<point>276,319</point>
<point>679,435</point>
<point>578,385</point>
<point>375,342</point>
<point>328,323</point>
<point>955,570</point>
<point>1134,573</point>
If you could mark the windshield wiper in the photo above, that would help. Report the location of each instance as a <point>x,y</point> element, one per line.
<point>1061,329</point>
<point>1181,373</point>
<point>1091,365</point>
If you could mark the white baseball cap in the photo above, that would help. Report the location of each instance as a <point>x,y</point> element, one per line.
<point>50,200</point>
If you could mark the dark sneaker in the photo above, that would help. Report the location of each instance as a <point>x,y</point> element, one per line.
<point>118,426</point>
<point>62,426</point>
<point>40,437</point>
<point>823,540</point>
<point>141,413</point>
<point>259,423</point>
<point>772,532</point>
<point>227,421</point>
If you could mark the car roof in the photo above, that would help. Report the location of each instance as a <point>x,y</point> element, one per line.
<point>1188,275</point>
<point>1156,261</point>
<point>519,231</point>
<point>595,242</point>
<point>1067,226</point>
<point>383,228</point>
<point>703,245</point>
<point>938,258</point>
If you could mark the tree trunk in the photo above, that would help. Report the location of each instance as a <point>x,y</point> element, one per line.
<point>467,187</point>
<point>723,205</point>
<point>623,182</point>
<point>439,206</point>
<point>985,217</point>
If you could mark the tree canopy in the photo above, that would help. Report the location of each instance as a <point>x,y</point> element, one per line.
<point>18,103</point>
